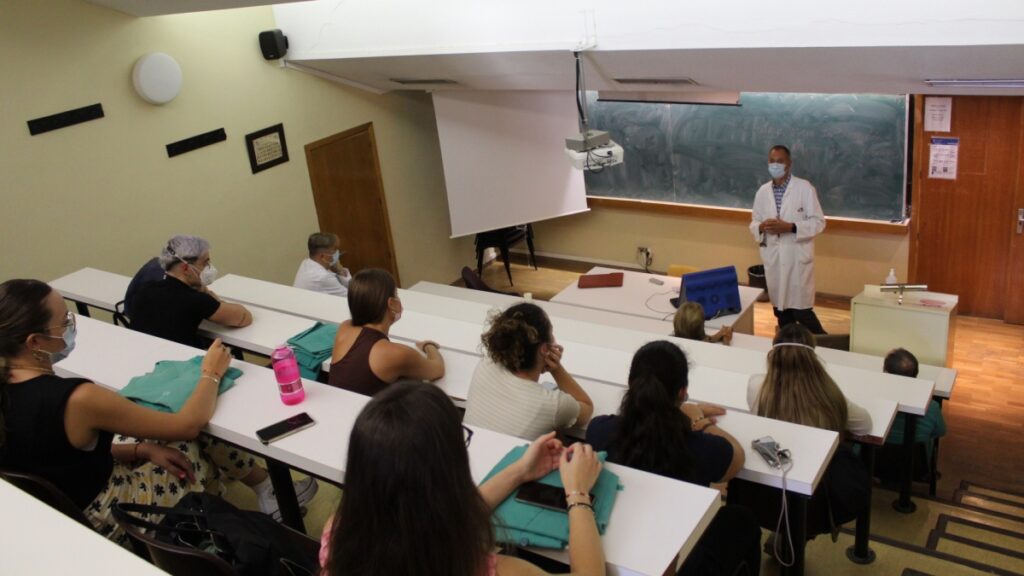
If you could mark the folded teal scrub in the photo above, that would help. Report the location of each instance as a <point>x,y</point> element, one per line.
<point>524,524</point>
<point>312,347</point>
<point>171,383</point>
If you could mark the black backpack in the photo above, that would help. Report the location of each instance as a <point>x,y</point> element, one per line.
<point>251,542</point>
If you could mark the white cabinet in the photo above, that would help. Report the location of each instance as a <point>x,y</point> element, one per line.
<point>924,324</point>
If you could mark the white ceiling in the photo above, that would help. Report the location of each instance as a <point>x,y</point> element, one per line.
<point>892,70</point>
<point>162,7</point>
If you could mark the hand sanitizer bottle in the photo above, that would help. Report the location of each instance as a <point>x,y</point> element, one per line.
<point>891,278</point>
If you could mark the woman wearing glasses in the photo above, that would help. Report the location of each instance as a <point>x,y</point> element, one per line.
<point>411,505</point>
<point>62,428</point>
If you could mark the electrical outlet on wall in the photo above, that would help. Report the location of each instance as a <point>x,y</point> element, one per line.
<point>645,256</point>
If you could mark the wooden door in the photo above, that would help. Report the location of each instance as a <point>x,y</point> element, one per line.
<point>1015,275</point>
<point>962,229</point>
<point>349,196</point>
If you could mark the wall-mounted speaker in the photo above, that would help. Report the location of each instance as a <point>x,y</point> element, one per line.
<point>273,44</point>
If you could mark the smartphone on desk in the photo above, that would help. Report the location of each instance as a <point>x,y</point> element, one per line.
<point>285,428</point>
<point>545,496</point>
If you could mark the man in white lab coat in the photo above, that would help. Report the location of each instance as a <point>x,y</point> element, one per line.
<point>322,271</point>
<point>786,218</point>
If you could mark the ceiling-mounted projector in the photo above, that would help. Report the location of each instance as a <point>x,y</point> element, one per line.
<point>590,149</point>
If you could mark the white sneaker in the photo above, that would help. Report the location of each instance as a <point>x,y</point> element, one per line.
<point>305,490</point>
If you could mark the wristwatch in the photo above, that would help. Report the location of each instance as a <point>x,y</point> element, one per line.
<point>794,227</point>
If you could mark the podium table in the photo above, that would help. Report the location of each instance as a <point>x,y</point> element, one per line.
<point>924,324</point>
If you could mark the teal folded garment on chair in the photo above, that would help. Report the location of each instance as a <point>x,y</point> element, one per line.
<point>528,525</point>
<point>171,383</point>
<point>312,347</point>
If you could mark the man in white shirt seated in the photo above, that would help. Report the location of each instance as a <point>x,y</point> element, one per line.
<point>322,271</point>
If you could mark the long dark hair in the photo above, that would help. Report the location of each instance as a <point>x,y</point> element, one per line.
<point>23,312</point>
<point>652,429</point>
<point>410,503</point>
<point>514,335</point>
<point>368,295</point>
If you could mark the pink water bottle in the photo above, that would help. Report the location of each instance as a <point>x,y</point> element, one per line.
<point>289,379</point>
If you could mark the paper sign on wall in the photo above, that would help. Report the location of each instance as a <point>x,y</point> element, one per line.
<point>942,158</point>
<point>938,113</point>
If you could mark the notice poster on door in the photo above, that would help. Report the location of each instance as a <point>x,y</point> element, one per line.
<point>942,158</point>
<point>938,113</point>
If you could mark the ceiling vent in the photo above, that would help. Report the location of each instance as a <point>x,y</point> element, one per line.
<point>658,81</point>
<point>424,81</point>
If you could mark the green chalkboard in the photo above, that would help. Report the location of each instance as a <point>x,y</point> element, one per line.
<point>852,147</point>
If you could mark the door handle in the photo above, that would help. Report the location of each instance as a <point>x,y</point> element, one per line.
<point>1020,221</point>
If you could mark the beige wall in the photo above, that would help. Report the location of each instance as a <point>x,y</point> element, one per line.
<point>844,262</point>
<point>104,193</point>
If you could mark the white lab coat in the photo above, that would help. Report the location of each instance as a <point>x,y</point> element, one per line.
<point>313,276</point>
<point>789,258</point>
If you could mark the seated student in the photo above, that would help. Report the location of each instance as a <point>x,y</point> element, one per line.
<point>151,271</point>
<point>411,505</point>
<point>657,432</point>
<point>929,427</point>
<point>364,360</point>
<point>505,394</point>
<point>689,323</point>
<point>798,389</point>
<point>174,307</point>
<point>322,271</point>
<point>62,428</point>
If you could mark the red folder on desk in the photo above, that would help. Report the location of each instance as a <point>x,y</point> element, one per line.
<point>611,280</point>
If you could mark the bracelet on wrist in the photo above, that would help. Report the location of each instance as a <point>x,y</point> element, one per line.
<point>580,505</point>
<point>215,379</point>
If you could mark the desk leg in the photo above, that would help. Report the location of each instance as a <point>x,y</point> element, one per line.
<point>904,504</point>
<point>860,552</point>
<point>933,477</point>
<point>529,244</point>
<point>284,490</point>
<point>798,531</point>
<point>83,309</point>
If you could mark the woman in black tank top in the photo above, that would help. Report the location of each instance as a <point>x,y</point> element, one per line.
<point>365,360</point>
<point>62,428</point>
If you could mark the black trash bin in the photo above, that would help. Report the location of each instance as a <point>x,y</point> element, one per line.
<point>755,279</point>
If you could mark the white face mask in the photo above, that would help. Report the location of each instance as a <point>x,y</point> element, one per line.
<point>777,169</point>
<point>208,275</point>
<point>336,257</point>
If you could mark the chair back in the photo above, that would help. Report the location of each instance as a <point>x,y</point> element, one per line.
<point>44,490</point>
<point>675,270</point>
<point>173,559</point>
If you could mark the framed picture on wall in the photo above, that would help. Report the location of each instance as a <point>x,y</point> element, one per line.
<point>267,148</point>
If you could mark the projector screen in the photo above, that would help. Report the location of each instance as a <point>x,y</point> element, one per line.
<point>504,158</point>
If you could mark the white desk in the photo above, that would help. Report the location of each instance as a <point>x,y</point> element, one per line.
<point>643,536</point>
<point>39,540</point>
<point>600,371</point>
<point>639,297</point>
<point>599,355</point>
<point>944,378</point>
<point>554,309</point>
<point>92,287</point>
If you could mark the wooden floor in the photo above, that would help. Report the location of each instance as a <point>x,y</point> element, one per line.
<point>985,417</point>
